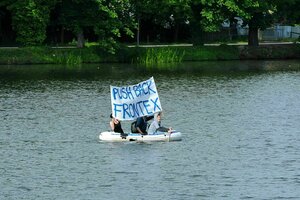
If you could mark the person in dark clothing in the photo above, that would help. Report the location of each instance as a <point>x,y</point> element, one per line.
<point>115,125</point>
<point>141,124</point>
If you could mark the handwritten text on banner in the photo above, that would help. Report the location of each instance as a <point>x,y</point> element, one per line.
<point>130,102</point>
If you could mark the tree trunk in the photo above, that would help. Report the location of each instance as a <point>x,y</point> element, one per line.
<point>138,33</point>
<point>253,36</point>
<point>176,33</point>
<point>62,35</point>
<point>80,39</point>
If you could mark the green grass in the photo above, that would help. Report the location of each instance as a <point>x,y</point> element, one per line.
<point>154,56</point>
<point>67,58</point>
<point>222,52</point>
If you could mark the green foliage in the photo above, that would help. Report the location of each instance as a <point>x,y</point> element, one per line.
<point>256,12</point>
<point>222,52</point>
<point>146,56</point>
<point>288,11</point>
<point>30,19</point>
<point>107,19</point>
<point>68,58</point>
<point>154,56</point>
<point>109,45</point>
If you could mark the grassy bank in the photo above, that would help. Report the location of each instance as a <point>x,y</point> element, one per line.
<point>142,55</point>
<point>46,55</point>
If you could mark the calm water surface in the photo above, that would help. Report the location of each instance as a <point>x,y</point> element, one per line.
<point>240,123</point>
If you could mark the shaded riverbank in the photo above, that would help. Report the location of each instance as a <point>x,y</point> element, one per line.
<point>94,54</point>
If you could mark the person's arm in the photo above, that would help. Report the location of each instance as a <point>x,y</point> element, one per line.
<point>138,124</point>
<point>149,117</point>
<point>156,125</point>
<point>139,130</point>
<point>112,125</point>
<point>163,129</point>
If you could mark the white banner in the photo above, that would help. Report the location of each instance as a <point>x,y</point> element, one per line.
<point>131,102</point>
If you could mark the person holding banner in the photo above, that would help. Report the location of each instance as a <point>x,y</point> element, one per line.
<point>115,125</point>
<point>141,125</point>
<point>156,125</point>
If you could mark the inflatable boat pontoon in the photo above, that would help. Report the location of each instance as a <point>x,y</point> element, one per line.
<point>157,137</point>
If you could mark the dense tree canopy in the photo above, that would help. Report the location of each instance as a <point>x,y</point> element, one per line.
<point>288,11</point>
<point>35,22</point>
<point>30,19</point>
<point>256,14</point>
<point>105,18</point>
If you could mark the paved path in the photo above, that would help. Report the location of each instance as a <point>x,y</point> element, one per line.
<point>234,44</point>
<point>179,45</point>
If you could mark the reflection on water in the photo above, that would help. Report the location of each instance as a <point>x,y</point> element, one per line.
<point>240,124</point>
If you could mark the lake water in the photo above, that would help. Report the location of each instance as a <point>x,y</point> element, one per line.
<point>240,123</point>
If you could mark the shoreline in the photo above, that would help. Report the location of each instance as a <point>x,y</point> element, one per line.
<point>126,54</point>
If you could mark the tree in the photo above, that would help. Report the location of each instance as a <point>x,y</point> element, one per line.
<point>77,15</point>
<point>163,15</point>
<point>30,19</point>
<point>105,18</point>
<point>117,20</point>
<point>144,11</point>
<point>288,12</point>
<point>257,14</point>
<point>176,15</point>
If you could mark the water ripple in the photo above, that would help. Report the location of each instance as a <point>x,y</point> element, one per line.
<point>241,139</point>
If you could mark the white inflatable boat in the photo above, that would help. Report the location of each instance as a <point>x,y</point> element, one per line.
<point>157,137</point>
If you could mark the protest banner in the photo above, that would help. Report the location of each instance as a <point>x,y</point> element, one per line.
<point>131,102</point>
